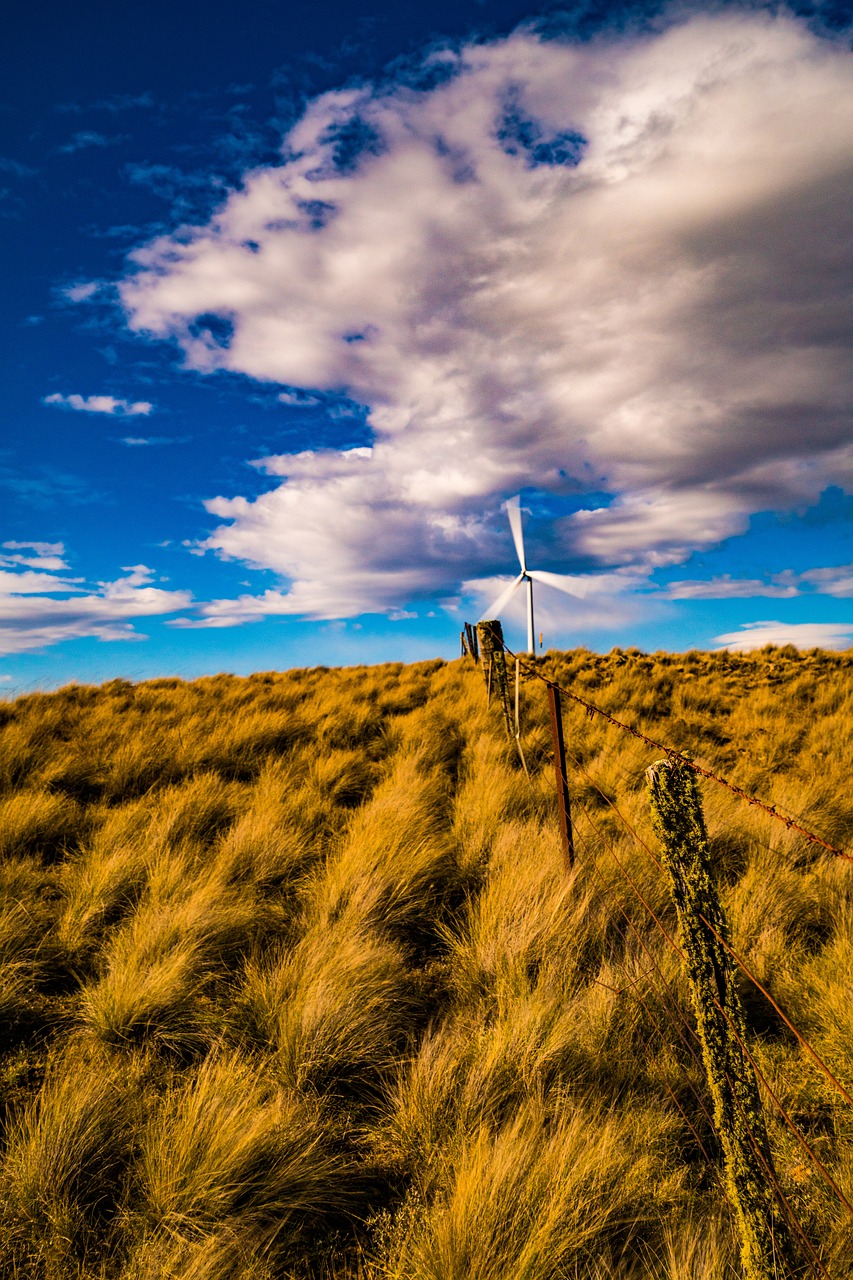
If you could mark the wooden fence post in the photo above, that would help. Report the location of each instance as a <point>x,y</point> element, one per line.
<point>766,1248</point>
<point>566,833</point>
<point>473,647</point>
<point>491,644</point>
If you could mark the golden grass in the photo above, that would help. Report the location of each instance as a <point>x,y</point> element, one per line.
<point>294,984</point>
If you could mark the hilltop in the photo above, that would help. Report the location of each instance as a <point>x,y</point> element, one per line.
<point>294,982</point>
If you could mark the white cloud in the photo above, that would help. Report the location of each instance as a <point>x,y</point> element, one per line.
<point>726,587</point>
<point>803,635</point>
<point>101,404</point>
<point>837,581</point>
<point>664,321</point>
<point>38,610</point>
<point>43,555</point>
<point>29,582</point>
<point>83,291</point>
<point>302,399</point>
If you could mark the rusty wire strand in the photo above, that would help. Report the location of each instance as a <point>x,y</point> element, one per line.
<point>739,961</point>
<point>673,754</point>
<point>803,1142</point>
<point>778,1193</point>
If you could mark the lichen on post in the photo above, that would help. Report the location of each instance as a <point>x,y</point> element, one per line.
<point>766,1247</point>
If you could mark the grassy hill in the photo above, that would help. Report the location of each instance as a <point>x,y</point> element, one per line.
<point>294,983</point>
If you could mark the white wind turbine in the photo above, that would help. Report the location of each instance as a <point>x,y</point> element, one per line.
<point>561,581</point>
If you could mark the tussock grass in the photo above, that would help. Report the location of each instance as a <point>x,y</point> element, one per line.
<point>541,1193</point>
<point>64,1166</point>
<point>335,1011</point>
<point>227,1152</point>
<point>294,984</point>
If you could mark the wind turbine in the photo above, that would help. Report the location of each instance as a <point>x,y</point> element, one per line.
<point>562,582</point>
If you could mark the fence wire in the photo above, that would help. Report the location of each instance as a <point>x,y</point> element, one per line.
<point>675,1025</point>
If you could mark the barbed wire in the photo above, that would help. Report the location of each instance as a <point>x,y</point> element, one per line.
<point>798,1135</point>
<point>778,1193</point>
<point>674,754</point>
<point>739,961</point>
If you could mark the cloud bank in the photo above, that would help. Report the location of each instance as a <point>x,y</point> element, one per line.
<point>619,269</point>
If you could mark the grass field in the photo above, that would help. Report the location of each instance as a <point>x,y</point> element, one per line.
<point>294,983</point>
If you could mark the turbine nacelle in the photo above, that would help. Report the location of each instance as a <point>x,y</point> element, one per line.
<point>572,586</point>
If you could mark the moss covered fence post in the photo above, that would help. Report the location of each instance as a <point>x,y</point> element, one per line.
<point>766,1249</point>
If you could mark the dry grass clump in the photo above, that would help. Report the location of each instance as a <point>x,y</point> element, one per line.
<point>227,1152</point>
<point>541,1194</point>
<point>295,986</point>
<point>64,1166</point>
<point>335,1011</point>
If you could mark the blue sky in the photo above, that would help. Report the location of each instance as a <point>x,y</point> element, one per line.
<point>296,297</point>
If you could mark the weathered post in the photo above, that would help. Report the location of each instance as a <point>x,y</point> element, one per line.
<point>766,1249</point>
<point>563,806</point>
<point>491,645</point>
<point>473,647</point>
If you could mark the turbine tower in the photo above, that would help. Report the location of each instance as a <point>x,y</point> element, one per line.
<point>562,582</point>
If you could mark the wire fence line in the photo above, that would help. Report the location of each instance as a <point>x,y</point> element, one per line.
<point>675,1015</point>
<point>670,1022</point>
<point>674,753</point>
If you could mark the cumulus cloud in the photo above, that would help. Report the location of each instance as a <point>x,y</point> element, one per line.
<point>101,404</point>
<point>40,609</point>
<point>803,635</point>
<point>621,267</point>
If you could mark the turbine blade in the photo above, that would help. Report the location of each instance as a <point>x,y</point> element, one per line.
<point>494,610</point>
<point>513,510</point>
<point>572,586</point>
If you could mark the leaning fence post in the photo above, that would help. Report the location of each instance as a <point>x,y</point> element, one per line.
<point>766,1250</point>
<point>566,833</point>
<point>491,643</point>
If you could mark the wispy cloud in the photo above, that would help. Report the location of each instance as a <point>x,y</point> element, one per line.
<point>44,486</point>
<point>834,581</point>
<point>42,555</point>
<point>802,635</point>
<point>726,587</point>
<point>116,103</point>
<point>40,548</point>
<point>38,610</point>
<point>837,581</point>
<point>87,138</point>
<point>14,167</point>
<point>82,291</point>
<point>620,266</point>
<point>101,404</point>
<point>136,442</point>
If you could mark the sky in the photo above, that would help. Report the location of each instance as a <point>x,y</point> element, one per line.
<point>297,297</point>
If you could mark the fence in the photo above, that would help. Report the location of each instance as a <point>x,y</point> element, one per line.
<point>740,1094</point>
